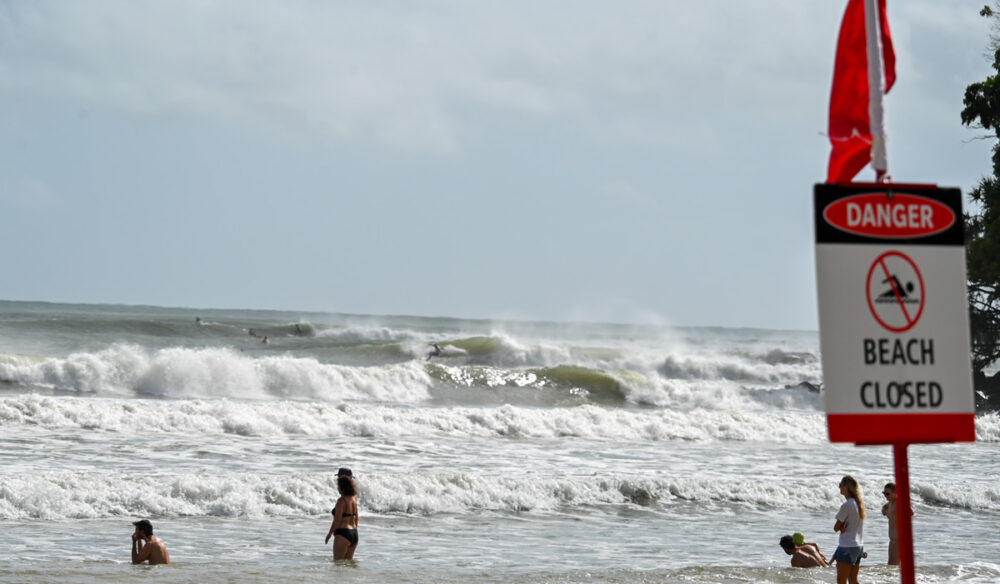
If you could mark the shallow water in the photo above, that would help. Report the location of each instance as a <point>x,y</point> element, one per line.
<point>526,452</point>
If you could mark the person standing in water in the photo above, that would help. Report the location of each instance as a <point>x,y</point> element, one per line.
<point>344,528</point>
<point>850,526</point>
<point>146,547</point>
<point>889,510</point>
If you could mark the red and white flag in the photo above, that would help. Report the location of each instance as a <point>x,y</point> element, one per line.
<point>853,107</point>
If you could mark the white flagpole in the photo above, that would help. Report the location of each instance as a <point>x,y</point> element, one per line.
<point>876,90</point>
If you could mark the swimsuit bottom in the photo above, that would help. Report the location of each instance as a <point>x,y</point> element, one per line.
<point>351,535</point>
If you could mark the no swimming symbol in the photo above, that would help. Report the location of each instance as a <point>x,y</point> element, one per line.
<point>895,291</point>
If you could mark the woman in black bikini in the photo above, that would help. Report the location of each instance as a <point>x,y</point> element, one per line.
<point>344,528</point>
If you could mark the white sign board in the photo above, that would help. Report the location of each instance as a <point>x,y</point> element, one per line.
<point>893,314</point>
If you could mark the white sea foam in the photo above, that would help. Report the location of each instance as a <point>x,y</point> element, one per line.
<point>297,418</point>
<point>961,495</point>
<point>512,352</point>
<point>630,386</point>
<point>716,394</point>
<point>678,361</point>
<point>370,334</point>
<point>251,418</point>
<point>217,372</point>
<point>774,367</point>
<point>988,427</point>
<point>743,368</point>
<point>129,370</point>
<point>60,495</point>
<point>77,495</point>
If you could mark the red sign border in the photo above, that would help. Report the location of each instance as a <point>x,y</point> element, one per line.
<point>897,428</point>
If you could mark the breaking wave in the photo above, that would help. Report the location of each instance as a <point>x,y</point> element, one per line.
<point>215,373</point>
<point>297,418</point>
<point>62,495</point>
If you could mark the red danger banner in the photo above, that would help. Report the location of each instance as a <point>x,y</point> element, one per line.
<point>876,215</point>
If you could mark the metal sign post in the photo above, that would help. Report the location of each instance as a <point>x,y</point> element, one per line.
<point>904,514</point>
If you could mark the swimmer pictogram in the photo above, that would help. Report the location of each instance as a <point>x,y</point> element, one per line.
<point>895,291</point>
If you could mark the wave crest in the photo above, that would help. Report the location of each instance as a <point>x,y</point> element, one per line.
<point>217,372</point>
<point>62,495</point>
<point>297,418</point>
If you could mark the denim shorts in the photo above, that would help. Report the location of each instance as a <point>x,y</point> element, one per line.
<point>848,555</point>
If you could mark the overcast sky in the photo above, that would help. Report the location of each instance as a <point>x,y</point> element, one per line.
<point>613,161</point>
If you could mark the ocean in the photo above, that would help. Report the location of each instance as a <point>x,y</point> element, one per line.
<point>524,452</point>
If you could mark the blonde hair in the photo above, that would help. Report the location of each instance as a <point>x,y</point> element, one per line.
<point>853,490</point>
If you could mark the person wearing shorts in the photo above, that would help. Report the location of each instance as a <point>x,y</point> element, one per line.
<point>850,526</point>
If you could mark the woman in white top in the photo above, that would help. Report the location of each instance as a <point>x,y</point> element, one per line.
<point>850,526</point>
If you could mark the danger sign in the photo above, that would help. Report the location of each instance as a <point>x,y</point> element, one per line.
<point>893,308</point>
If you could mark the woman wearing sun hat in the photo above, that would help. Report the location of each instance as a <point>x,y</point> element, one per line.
<point>344,528</point>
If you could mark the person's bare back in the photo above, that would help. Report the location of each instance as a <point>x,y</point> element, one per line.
<point>807,556</point>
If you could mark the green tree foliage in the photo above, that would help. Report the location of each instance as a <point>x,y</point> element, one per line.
<point>982,110</point>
